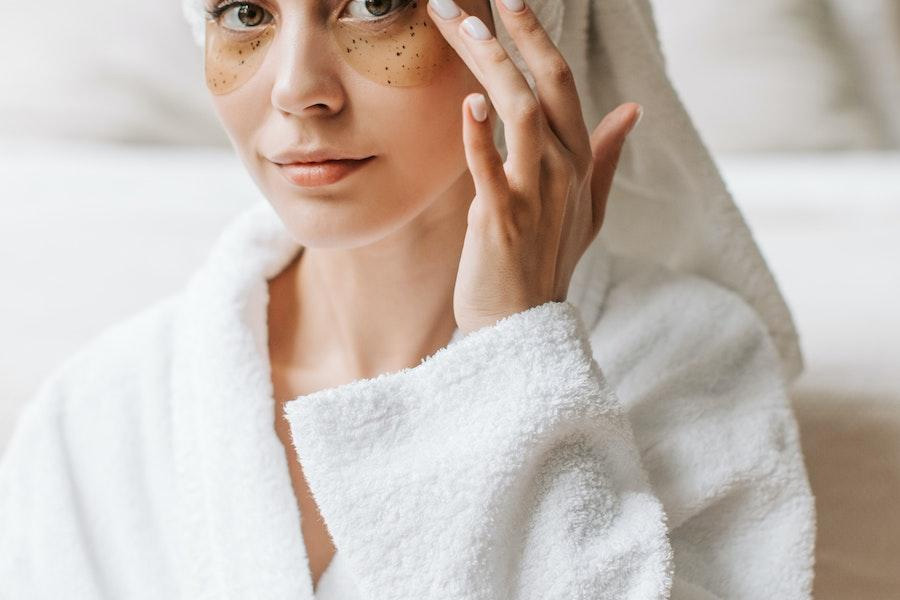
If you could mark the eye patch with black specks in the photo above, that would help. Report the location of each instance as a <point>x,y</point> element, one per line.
<point>400,46</point>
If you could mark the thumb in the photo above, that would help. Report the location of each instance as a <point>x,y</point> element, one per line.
<point>607,141</point>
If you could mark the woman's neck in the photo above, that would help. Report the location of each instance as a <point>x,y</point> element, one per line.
<point>375,308</point>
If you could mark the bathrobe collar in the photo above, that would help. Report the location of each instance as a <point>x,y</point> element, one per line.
<point>238,524</point>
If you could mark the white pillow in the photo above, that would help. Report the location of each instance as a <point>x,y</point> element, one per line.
<point>765,75</point>
<point>121,71</point>
<point>873,29</point>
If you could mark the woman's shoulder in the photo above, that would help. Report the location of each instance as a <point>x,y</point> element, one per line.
<point>657,300</point>
<point>108,380</point>
<point>117,354</point>
<point>97,428</point>
<point>658,324</point>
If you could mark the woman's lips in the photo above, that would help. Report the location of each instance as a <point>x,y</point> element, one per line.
<point>320,173</point>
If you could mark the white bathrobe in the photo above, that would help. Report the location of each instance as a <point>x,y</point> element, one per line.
<point>635,441</point>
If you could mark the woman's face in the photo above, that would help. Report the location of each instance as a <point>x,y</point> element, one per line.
<point>362,78</point>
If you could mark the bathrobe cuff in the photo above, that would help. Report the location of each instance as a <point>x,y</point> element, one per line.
<point>502,466</point>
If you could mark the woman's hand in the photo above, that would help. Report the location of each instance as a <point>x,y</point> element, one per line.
<point>534,215</point>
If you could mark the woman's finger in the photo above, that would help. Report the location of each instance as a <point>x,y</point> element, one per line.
<point>447,15</point>
<point>506,86</point>
<point>607,141</point>
<point>553,77</point>
<point>485,163</point>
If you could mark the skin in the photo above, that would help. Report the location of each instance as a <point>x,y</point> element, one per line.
<point>438,232</point>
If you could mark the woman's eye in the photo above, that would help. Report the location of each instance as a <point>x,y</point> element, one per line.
<point>374,10</point>
<point>241,15</point>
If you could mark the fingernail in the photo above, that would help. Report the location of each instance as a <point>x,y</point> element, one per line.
<point>478,105</point>
<point>514,5</point>
<point>476,28</point>
<point>446,9</point>
<point>640,116</point>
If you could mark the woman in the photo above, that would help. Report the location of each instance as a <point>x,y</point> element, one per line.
<point>426,349</point>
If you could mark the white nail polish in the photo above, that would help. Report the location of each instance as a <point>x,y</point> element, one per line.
<point>479,107</point>
<point>514,5</point>
<point>476,28</point>
<point>446,9</point>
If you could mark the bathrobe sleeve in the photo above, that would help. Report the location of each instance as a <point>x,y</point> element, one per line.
<point>506,465</point>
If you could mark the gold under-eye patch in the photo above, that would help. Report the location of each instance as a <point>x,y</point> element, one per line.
<point>402,48</point>
<point>408,51</point>
<point>232,58</point>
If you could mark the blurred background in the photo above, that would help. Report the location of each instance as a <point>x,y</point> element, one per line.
<point>115,178</point>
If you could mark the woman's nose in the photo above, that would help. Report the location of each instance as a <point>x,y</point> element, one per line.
<point>307,76</point>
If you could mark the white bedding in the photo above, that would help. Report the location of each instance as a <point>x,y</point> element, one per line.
<point>92,232</point>
<point>830,227</point>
